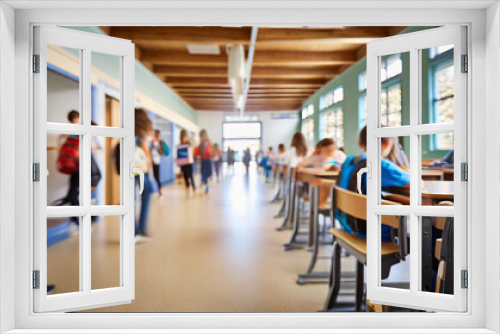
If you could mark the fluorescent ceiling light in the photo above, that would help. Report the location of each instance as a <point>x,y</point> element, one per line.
<point>203,49</point>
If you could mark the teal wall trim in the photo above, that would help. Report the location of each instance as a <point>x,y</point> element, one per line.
<point>349,80</point>
<point>146,82</point>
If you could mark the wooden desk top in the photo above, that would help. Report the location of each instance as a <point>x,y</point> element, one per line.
<point>432,172</point>
<point>432,189</point>
<point>318,172</point>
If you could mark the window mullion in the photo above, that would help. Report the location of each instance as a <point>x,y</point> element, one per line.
<point>85,174</point>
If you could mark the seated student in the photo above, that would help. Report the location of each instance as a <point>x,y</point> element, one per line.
<point>325,154</point>
<point>391,176</point>
<point>297,151</point>
<point>447,161</point>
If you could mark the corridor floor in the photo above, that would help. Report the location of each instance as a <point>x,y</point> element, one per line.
<point>208,253</point>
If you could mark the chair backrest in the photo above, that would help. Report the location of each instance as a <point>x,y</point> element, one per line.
<point>440,221</point>
<point>354,205</point>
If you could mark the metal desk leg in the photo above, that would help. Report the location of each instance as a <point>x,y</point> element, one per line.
<point>293,244</point>
<point>289,209</point>
<point>313,214</point>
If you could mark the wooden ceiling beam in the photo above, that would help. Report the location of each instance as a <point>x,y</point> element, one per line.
<point>257,72</point>
<point>297,34</point>
<point>202,34</point>
<point>256,81</point>
<point>261,58</point>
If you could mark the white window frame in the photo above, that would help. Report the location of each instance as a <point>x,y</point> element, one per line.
<point>483,50</point>
<point>415,211</point>
<point>86,43</point>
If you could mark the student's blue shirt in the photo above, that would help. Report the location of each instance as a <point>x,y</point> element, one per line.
<point>391,176</point>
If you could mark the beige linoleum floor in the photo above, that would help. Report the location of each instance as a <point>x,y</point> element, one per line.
<point>208,253</point>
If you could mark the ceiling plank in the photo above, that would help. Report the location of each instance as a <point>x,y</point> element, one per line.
<point>285,34</point>
<point>201,34</point>
<point>274,58</point>
<point>257,72</point>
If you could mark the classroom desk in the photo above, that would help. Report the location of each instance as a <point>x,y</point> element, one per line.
<point>432,174</point>
<point>433,190</point>
<point>317,197</point>
<point>448,173</point>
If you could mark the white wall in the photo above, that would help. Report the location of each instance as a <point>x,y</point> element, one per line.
<point>274,131</point>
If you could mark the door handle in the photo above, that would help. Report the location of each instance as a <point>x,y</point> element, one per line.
<point>133,171</point>
<point>360,174</point>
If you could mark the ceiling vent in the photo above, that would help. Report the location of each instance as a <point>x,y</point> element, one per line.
<point>203,49</point>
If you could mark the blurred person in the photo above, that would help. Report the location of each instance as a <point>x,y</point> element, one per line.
<point>184,159</point>
<point>230,160</point>
<point>158,149</point>
<point>325,156</point>
<point>142,156</point>
<point>391,176</point>
<point>217,159</point>
<point>298,150</point>
<point>247,158</point>
<point>203,153</point>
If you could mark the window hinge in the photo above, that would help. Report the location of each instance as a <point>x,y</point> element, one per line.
<point>36,172</point>
<point>36,279</point>
<point>36,63</point>
<point>464,171</point>
<point>465,279</point>
<point>465,64</point>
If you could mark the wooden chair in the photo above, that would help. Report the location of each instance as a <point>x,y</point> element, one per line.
<point>354,205</point>
<point>442,249</point>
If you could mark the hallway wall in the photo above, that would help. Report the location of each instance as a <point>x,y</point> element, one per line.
<point>274,131</point>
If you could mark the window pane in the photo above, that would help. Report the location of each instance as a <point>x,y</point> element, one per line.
<point>241,130</point>
<point>63,170</point>
<point>437,254</point>
<point>437,169</point>
<point>440,97</point>
<point>63,87</point>
<point>63,254</point>
<point>391,92</point>
<point>105,252</point>
<point>111,114</point>
<point>395,232</point>
<point>434,52</point>
<point>105,174</point>
<point>394,169</point>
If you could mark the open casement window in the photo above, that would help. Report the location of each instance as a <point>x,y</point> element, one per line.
<point>75,159</point>
<point>425,212</point>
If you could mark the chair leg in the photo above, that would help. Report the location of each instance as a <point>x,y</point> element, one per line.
<point>360,285</point>
<point>334,283</point>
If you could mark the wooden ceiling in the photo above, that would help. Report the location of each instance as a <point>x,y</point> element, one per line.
<point>290,63</point>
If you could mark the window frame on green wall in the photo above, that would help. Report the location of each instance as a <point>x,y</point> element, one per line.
<point>335,109</point>
<point>437,62</point>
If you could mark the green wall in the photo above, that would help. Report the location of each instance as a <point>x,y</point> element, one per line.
<point>145,81</point>
<point>349,80</point>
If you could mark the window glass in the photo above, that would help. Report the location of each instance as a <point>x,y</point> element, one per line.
<point>362,111</point>
<point>391,67</point>
<point>436,51</point>
<point>390,105</point>
<point>308,131</point>
<point>333,126</point>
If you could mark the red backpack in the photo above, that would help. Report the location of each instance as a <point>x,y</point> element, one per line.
<point>68,161</point>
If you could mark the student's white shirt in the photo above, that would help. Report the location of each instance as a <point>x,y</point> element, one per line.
<point>292,159</point>
<point>155,152</point>
<point>339,157</point>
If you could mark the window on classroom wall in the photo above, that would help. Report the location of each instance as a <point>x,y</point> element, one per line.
<point>390,95</point>
<point>333,97</point>
<point>362,100</point>
<point>308,111</point>
<point>308,131</point>
<point>441,80</point>
<point>332,123</point>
